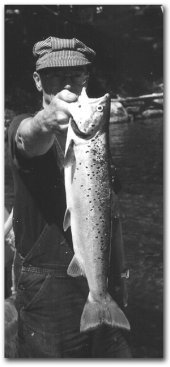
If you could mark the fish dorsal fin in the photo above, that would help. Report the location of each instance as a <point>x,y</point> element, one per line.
<point>69,158</point>
<point>75,269</point>
<point>66,222</point>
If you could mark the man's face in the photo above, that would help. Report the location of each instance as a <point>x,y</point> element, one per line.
<point>54,80</point>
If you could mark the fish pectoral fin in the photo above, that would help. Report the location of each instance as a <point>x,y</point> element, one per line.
<point>69,158</point>
<point>75,269</point>
<point>66,222</point>
<point>102,312</point>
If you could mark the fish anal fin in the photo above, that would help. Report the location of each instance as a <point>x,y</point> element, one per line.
<point>66,222</point>
<point>105,312</point>
<point>69,158</point>
<point>74,268</point>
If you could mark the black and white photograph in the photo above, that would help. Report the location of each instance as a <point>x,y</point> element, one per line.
<point>83,182</point>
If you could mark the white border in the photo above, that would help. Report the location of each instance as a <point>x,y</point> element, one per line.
<point>166,174</point>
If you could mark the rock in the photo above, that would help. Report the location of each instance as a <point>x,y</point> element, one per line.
<point>158,102</point>
<point>134,110</point>
<point>118,113</point>
<point>134,103</point>
<point>152,113</point>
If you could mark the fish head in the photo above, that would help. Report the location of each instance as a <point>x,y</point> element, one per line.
<point>90,115</point>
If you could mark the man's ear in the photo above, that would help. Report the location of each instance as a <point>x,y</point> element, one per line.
<point>37,80</point>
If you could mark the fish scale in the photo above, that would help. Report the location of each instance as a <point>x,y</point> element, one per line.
<point>89,198</point>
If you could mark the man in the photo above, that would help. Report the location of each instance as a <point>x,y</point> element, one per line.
<point>49,302</point>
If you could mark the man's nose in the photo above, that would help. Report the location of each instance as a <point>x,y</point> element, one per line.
<point>67,82</point>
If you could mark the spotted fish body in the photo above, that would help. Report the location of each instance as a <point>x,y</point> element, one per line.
<point>88,193</point>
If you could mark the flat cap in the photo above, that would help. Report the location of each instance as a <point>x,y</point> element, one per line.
<point>59,52</point>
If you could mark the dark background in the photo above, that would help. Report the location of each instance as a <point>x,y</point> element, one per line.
<point>128,40</point>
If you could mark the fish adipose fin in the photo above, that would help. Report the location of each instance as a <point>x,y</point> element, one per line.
<point>75,269</point>
<point>66,222</point>
<point>69,158</point>
<point>105,312</point>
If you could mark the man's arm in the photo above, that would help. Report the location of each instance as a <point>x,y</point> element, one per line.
<point>35,135</point>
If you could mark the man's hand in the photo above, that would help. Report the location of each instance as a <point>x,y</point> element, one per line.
<point>35,135</point>
<point>59,109</point>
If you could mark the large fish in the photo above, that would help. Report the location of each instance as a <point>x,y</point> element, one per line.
<point>89,197</point>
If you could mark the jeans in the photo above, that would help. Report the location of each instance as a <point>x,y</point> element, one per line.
<point>50,305</point>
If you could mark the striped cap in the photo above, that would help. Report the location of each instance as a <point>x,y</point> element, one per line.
<point>59,52</point>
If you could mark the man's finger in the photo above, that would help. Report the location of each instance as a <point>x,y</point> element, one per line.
<point>62,118</point>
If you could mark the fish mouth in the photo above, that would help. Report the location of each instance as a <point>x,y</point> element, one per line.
<point>80,133</point>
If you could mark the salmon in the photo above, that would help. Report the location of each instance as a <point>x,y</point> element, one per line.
<point>89,198</point>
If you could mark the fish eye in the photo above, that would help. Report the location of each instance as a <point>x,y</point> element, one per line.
<point>99,108</point>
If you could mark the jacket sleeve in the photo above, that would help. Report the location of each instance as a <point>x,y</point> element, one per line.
<point>15,156</point>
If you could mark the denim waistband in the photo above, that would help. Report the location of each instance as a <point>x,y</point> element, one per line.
<point>60,271</point>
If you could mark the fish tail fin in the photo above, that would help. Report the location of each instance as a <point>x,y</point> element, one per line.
<point>105,312</point>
